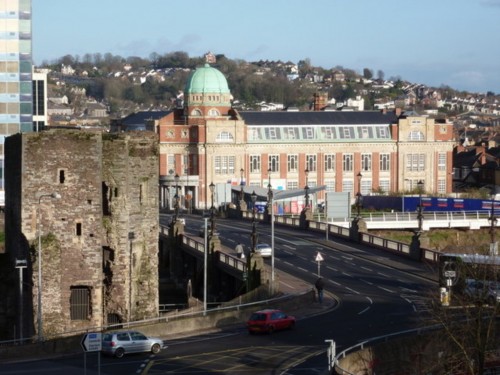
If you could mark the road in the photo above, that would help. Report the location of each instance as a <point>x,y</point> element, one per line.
<point>374,300</point>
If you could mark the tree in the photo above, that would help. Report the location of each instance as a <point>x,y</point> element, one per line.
<point>367,73</point>
<point>469,328</point>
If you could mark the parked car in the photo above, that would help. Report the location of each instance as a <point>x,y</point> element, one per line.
<point>120,343</point>
<point>264,250</point>
<point>269,320</point>
<point>482,291</point>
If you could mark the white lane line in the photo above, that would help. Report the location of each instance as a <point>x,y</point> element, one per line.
<point>366,269</point>
<point>387,290</point>
<point>345,273</point>
<point>352,290</point>
<point>366,281</point>
<point>302,269</point>
<point>332,269</point>
<point>382,274</point>
<point>365,310</point>
<point>408,290</point>
<point>334,282</point>
<point>289,247</point>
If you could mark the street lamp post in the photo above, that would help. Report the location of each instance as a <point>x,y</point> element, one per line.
<point>241,184</point>
<point>493,221</point>
<point>420,215</point>
<point>212,209</point>
<point>176,199</point>
<point>359,196</point>
<point>254,229</point>
<point>306,188</point>
<point>39,313</point>
<point>270,210</point>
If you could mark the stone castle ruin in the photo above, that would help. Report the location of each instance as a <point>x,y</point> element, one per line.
<point>91,199</point>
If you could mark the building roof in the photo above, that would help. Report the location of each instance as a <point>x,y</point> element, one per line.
<point>318,118</point>
<point>207,80</point>
<point>140,118</point>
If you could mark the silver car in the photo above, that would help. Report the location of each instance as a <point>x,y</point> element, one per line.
<point>264,250</point>
<point>120,343</point>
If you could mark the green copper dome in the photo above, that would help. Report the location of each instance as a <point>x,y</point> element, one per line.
<point>206,80</point>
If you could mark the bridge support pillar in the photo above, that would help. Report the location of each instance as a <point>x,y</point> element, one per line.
<point>358,226</point>
<point>305,217</point>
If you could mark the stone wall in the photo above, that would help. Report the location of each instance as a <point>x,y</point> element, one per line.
<point>108,187</point>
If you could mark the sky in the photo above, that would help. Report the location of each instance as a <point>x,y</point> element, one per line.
<point>433,42</point>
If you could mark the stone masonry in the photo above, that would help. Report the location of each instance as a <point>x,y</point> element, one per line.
<point>99,240</point>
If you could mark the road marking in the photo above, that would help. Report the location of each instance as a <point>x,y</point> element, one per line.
<point>332,269</point>
<point>365,310</point>
<point>387,290</point>
<point>382,274</point>
<point>352,290</point>
<point>366,269</point>
<point>345,273</point>
<point>366,281</point>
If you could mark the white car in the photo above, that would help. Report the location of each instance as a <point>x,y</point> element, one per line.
<point>264,250</point>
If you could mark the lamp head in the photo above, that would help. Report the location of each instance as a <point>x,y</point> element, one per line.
<point>359,176</point>
<point>212,187</point>
<point>253,196</point>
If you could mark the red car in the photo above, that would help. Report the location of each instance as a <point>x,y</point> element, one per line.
<point>269,321</point>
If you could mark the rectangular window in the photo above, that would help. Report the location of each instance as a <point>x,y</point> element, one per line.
<point>254,163</point>
<point>185,164</point>
<point>329,132</point>
<point>171,163</point>
<point>366,162</point>
<point>271,133</point>
<point>274,163</point>
<point>415,162</point>
<point>442,161</point>
<point>293,163</point>
<point>366,186</point>
<point>311,163</point>
<point>329,163</point>
<point>442,186</point>
<point>80,303</point>
<point>385,185</point>
<point>385,162</point>
<point>330,185</point>
<point>291,133</point>
<point>308,132</point>
<point>224,164</point>
<point>292,185</point>
<point>347,163</point>
<point>347,186</point>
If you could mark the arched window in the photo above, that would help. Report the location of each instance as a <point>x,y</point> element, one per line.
<point>213,112</point>
<point>196,112</point>
<point>416,135</point>
<point>224,137</point>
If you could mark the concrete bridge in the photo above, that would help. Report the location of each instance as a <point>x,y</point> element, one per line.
<point>431,220</point>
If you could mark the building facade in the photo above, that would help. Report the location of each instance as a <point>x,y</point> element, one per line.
<point>99,242</point>
<point>206,141</point>
<point>15,72</point>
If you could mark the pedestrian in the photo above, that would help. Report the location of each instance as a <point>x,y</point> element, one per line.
<point>239,251</point>
<point>320,284</point>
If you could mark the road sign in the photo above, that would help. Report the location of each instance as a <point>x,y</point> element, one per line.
<point>92,342</point>
<point>319,257</point>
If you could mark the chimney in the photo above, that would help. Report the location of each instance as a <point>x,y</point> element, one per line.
<point>320,100</point>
